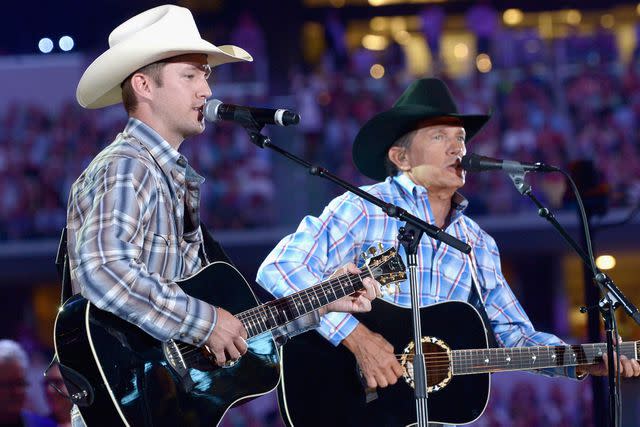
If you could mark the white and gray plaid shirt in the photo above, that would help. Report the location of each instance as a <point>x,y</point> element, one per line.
<point>126,239</point>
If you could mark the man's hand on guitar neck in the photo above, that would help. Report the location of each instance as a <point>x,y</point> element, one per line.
<point>358,302</point>
<point>375,357</point>
<point>227,341</point>
<point>628,367</point>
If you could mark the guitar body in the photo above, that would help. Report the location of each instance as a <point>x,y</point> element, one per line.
<point>321,384</point>
<point>132,382</point>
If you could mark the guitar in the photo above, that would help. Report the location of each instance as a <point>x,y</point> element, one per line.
<point>119,375</point>
<point>457,359</point>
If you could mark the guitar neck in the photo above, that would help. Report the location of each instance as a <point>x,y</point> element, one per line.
<point>528,358</point>
<point>279,312</point>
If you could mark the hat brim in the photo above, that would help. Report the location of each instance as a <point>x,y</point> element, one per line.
<point>374,139</point>
<point>100,84</point>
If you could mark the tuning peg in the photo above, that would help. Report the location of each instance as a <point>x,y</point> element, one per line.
<point>364,255</point>
<point>373,250</point>
<point>380,247</point>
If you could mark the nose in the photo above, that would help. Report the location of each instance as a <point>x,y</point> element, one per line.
<point>205,91</point>
<point>457,147</point>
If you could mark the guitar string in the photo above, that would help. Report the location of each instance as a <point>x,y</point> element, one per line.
<point>188,350</point>
<point>435,365</point>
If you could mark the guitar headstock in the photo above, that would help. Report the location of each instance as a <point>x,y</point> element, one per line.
<point>386,266</point>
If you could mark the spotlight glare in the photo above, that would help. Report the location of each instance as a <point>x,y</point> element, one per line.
<point>45,45</point>
<point>605,262</point>
<point>377,71</point>
<point>65,43</point>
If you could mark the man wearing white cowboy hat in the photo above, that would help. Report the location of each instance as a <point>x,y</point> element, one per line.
<point>133,215</point>
<point>415,149</point>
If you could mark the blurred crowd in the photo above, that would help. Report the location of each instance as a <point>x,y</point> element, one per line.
<point>561,102</point>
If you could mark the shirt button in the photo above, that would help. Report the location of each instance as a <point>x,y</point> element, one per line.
<point>196,340</point>
<point>182,161</point>
<point>182,335</point>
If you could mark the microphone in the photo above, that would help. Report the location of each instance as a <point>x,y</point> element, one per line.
<point>215,110</point>
<point>476,163</point>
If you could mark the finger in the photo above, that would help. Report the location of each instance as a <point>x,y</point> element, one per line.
<point>243,332</point>
<point>241,345</point>
<point>372,288</point>
<point>220,358</point>
<point>397,369</point>
<point>382,381</point>
<point>391,377</point>
<point>363,304</point>
<point>371,381</point>
<point>636,368</point>
<point>351,268</point>
<point>232,352</point>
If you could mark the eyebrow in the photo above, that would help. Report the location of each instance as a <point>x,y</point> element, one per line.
<point>440,128</point>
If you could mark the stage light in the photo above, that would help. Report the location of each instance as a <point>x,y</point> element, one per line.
<point>605,262</point>
<point>461,50</point>
<point>574,17</point>
<point>483,63</point>
<point>512,16</point>
<point>377,71</point>
<point>45,45</point>
<point>374,42</point>
<point>65,43</point>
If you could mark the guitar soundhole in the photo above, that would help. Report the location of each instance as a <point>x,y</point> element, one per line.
<point>438,362</point>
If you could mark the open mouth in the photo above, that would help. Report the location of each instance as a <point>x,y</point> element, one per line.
<point>456,166</point>
<point>200,111</point>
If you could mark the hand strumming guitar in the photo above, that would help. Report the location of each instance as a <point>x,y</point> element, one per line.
<point>227,341</point>
<point>375,357</point>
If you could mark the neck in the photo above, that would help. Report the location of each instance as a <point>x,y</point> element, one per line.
<point>441,202</point>
<point>158,126</point>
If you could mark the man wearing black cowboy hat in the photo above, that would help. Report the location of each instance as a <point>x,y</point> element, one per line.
<point>414,149</point>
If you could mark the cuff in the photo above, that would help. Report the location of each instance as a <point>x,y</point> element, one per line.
<point>198,324</point>
<point>337,326</point>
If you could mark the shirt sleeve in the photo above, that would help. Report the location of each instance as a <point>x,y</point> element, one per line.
<point>510,323</point>
<point>108,247</point>
<point>319,247</point>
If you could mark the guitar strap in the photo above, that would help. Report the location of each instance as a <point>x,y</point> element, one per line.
<point>62,265</point>
<point>475,299</point>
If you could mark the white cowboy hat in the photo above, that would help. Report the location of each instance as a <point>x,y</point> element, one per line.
<point>158,33</point>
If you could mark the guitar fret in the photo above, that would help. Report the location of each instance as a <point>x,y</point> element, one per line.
<point>531,358</point>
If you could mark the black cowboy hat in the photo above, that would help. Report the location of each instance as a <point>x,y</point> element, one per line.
<point>423,99</point>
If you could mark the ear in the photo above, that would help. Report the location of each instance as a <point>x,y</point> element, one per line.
<point>142,85</point>
<point>398,156</point>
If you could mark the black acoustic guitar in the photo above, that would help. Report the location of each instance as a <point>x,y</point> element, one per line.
<point>321,384</point>
<point>121,376</point>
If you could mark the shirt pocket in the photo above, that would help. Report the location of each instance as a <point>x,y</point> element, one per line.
<point>190,245</point>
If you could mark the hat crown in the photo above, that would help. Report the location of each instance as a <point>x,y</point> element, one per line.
<point>430,93</point>
<point>157,22</point>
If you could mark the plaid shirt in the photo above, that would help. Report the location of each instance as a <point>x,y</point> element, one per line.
<point>127,241</point>
<point>349,225</point>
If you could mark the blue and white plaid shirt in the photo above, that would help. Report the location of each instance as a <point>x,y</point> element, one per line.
<point>126,239</point>
<point>349,225</point>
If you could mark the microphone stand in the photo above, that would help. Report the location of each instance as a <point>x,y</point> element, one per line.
<point>409,236</point>
<point>612,296</point>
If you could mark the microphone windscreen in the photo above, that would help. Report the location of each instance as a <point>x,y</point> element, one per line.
<point>471,162</point>
<point>211,110</point>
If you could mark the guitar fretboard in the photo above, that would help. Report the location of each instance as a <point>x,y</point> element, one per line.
<point>525,358</point>
<point>284,310</point>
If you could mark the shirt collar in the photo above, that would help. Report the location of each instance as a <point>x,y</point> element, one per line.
<point>164,154</point>
<point>460,203</point>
